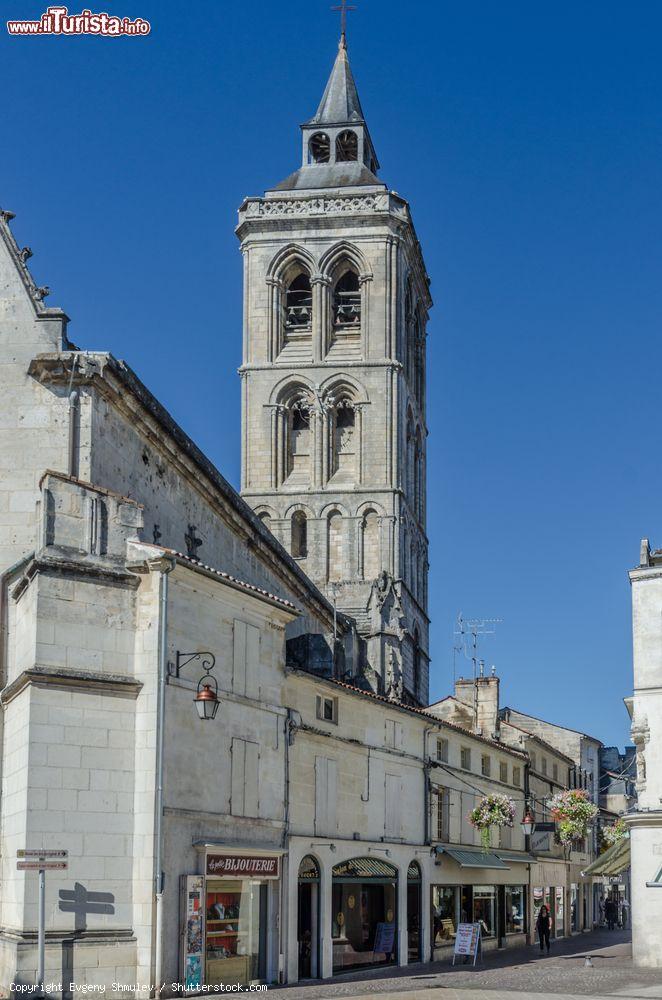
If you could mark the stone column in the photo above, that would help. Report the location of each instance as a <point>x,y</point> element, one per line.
<point>403,943</point>
<point>319,283</point>
<point>273,318</point>
<point>326,943</point>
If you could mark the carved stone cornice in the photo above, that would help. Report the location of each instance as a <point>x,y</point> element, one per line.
<point>122,685</point>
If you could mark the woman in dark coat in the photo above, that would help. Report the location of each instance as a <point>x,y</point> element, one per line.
<point>544,926</point>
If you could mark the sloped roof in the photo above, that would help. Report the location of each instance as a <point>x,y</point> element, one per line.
<point>196,564</point>
<point>340,102</point>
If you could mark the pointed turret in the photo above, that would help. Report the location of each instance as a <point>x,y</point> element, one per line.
<point>337,148</point>
<point>340,102</point>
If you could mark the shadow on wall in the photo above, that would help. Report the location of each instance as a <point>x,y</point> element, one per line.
<point>81,903</point>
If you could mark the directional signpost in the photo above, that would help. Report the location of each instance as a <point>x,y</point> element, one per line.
<point>41,861</point>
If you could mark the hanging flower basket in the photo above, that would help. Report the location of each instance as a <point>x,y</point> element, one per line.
<point>573,812</point>
<point>492,810</point>
<point>613,834</point>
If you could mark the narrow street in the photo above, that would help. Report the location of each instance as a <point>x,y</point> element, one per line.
<point>515,975</point>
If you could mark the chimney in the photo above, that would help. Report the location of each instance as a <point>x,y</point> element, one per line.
<point>481,695</point>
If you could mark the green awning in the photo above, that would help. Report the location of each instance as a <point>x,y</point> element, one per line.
<point>475,859</point>
<point>657,881</point>
<point>614,860</point>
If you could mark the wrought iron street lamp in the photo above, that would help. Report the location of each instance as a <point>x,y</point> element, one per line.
<point>528,822</point>
<point>206,698</point>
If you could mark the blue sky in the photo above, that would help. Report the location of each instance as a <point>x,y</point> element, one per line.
<point>526,137</point>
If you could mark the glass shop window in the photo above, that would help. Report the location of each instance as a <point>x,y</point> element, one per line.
<point>515,909</point>
<point>444,914</point>
<point>484,909</point>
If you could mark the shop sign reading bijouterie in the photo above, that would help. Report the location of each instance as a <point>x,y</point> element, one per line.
<point>242,866</point>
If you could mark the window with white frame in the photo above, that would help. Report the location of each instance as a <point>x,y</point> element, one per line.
<point>485,765</point>
<point>555,772</point>
<point>543,765</point>
<point>442,750</point>
<point>517,776</point>
<point>327,708</point>
<point>443,814</point>
<point>503,771</point>
<point>465,758</point>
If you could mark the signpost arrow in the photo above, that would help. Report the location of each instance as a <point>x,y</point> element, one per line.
<point>45,853</point>
<point>40,866</point>
<point>37,862</point>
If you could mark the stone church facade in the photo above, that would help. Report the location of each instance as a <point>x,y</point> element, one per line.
<point>336,302</point>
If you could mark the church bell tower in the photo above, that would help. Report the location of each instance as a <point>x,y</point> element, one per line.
<point>336,301</point>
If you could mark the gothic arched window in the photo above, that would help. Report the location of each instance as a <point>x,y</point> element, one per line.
<point>298,441</point>
<point>347,302</point>
<point>347,146</point>
<point>419,359</point>
<point>319,148</point>
<point>298,305</point>
<point>370,549</point>
<point>408,476</point>
<point>408,328</point>
<point>334,534</point>
<point>299,539</point>
<point>344,443</point>
<point>418,476</point>
<point>416,678</point>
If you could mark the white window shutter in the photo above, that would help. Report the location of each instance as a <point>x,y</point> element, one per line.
<point>238,777</point>
<point>332,786</point>
<point>239,658</point>
<point>321,796</point>
<point>326,794</point>
<point>252,661</point>
<point>251,804</point>
<point>392,800</point>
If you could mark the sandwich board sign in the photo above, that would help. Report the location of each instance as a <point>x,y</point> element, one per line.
<point>468,942</point>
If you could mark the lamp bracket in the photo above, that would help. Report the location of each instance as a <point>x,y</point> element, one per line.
<point>182,659</point>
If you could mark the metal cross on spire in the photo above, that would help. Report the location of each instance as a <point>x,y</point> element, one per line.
<point>343,8</point>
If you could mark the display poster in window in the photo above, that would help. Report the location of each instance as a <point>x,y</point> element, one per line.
<point>192,935</point>
<point>384,939</point>
<point>468,941</point>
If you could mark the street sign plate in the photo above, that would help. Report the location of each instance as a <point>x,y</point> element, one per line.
<point>35,866</point>
<point>545,827</point>
<point>42,854</point>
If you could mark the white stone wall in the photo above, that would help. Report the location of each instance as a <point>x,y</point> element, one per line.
<point>645,822</point>
<point>33,421</point>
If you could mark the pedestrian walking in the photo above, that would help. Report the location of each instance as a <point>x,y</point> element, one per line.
<point>625,912</point>
<point>611,913</point>
<point>543,927</point>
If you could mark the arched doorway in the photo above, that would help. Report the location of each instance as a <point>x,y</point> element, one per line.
<point>414,912</point>
<point>364,914</point>
<point>308,918</point>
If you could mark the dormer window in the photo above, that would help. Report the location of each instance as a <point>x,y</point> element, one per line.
<point>347,301</point>
<point>298,303</point>
<point>319,148</point>
<point>347,146</point>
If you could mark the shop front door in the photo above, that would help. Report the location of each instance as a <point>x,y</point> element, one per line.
<point>308,919</point>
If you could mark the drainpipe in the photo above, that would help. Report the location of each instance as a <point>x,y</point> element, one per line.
<point>159,875</point>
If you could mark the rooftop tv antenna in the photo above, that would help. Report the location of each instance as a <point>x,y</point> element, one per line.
<point>467,633</point>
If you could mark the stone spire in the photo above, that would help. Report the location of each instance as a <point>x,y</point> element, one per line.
<point>340,104</point>
<point>337,148</point>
